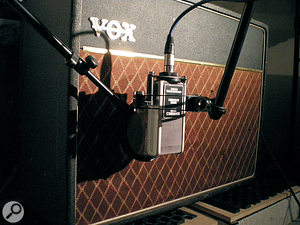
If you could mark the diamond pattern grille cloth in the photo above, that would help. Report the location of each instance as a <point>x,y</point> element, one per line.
<point>216,152</point>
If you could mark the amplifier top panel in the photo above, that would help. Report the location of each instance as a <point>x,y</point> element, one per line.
<point>203,35</point>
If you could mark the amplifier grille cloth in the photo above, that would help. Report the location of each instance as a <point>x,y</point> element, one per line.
<point>216,152</point>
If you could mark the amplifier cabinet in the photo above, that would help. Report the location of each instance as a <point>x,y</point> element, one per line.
<point>111,185</point>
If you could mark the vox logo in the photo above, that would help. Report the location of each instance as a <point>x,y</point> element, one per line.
<point>114,29</point>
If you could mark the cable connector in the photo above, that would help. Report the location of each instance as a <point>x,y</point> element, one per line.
<point>169,54</point>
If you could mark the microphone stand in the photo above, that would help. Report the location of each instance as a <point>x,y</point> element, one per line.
<point>72,59</point>
<point>215,107</point>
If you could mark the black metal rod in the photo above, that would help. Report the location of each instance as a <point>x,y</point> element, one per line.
<point>234,53</point>
<point>99,84</point>
<point>41,29</point>
<point>66,52</point>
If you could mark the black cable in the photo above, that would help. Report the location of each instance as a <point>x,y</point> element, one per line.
<point>193,7</point>
<point>9,180</point>
<point>169,48</point>
<point>186,12</point>
<point>280,170</point>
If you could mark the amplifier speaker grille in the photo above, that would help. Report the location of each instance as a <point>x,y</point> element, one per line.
<point>216,152</point>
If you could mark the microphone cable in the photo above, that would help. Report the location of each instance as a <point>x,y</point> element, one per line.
<point>284,177</point>
<point>177,20</point>
<point>169,51</point>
